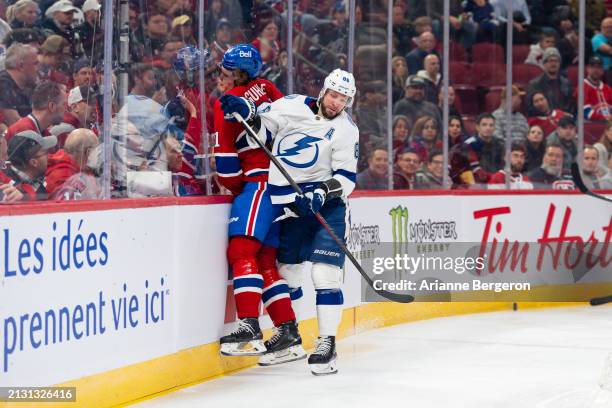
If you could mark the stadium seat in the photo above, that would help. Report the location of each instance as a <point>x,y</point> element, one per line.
<point>457,52</point>
<point>460,73</point>
<point>492,100</point>
<point>523,73</point>
<point>488,53</point>
<point>572,74</point>
<point>468,95</point>
<point>593,131</point>
<point>489,75</point>
<point>520,53</point>
<point>469,123</point>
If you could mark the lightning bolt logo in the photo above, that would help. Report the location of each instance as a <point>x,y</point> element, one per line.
<point>297,147</point>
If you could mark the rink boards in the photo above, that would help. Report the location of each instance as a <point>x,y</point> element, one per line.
<point>127,299</point>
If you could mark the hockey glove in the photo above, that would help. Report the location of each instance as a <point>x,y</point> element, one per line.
<point>234,104</point>
<point>311,202</point>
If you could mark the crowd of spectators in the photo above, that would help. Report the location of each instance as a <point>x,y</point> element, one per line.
<point>51,70</point>
<point>544,99</point>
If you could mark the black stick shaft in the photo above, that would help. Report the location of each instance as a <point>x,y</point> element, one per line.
<point>395,297</point>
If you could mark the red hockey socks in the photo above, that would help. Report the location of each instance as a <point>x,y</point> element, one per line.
<point>275,294</point>
<point>248,282</point>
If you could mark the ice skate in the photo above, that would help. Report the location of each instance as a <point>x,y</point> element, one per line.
<point>246,340</point>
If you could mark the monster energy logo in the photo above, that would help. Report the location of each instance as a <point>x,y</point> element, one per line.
<point>399,227</point>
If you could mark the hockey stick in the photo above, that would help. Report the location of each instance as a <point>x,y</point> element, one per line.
<point>600,300</point>
<point>582,187</point>
<point>394,297</point>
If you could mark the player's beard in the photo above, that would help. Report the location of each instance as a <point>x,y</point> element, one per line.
<point>325,113</point>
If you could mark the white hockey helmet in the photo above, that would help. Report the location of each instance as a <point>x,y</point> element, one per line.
<point>342,82</point>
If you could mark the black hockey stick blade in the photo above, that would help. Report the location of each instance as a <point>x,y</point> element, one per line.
<point>394,297</point>
<point>582,187</point>
<point>600,300</point>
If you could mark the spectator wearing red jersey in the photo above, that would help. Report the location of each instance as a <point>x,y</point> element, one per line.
<point>48,107</point>
<point>541,115</point>
<point>597,94</point>
<point>81,113</point>
<point>518,181</point>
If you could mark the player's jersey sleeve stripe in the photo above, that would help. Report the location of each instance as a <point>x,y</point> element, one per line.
<point>268,136</point>
<point>256,172</point>
<point>228,165</point>
<point>347,174</point>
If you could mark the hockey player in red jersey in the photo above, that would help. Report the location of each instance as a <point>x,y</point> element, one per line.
<point>243,169</point>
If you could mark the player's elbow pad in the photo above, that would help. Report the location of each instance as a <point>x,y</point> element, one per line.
<point>332,188</point>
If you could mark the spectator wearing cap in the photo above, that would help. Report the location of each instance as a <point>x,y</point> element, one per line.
<point>55,60</point>
<point>27,153</point>
<point>405,169</point>
<point>601,43</point>
<point>518,181</point>
<point>58,20</point>
<point>81,113</point>
<point>23,14</point>
<point>48,107</point>
<point>520,127</point>
<point>67,175</point>
<point>542,115</point>
<point>485,152</point>
<point>426,44</point>
<point>17,81</point>
<point>222,40</point>
<point>551,83</point>
<point>597,94</point>
<point>374,177</point>
<point>83,73</point>
<point>182,27</point>
<point>8,192</point>
<point>432,77</point>
<point>549,174</point>
<point>431,177</point>
<point>91,32</point>
<point>565,136</point>
<point>414,105</point>
<point>595,176</point>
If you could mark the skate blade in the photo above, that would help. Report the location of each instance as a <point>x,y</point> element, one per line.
<point>293,353</point>
<point>324,369</point>
<point>249,348</point>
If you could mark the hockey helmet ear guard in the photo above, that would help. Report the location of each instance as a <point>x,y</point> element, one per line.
<point>187,63</point>
<point>342,82</point>
<point>244,57</point>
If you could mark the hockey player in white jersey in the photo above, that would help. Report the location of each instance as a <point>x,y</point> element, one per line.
<point>318,144</point>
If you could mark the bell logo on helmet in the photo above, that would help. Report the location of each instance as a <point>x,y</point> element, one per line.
<point>245,54</point>
<point>345,79</point>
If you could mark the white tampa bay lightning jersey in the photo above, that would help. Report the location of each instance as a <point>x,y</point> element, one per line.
<point>311,148</point>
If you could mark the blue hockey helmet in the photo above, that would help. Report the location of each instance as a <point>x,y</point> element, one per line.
<point>244,57</point>
<point>187,62</point>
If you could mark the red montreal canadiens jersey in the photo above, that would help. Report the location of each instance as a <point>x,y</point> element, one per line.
<point>238,158</point>
<point>597,100</point>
